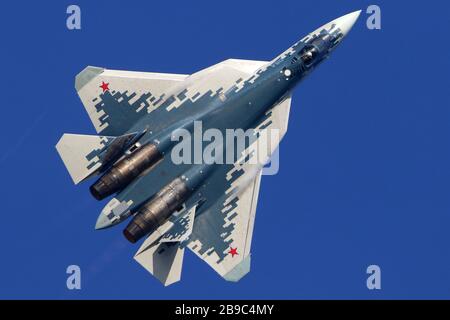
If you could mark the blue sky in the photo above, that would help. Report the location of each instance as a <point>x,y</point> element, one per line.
<point>364,172</point>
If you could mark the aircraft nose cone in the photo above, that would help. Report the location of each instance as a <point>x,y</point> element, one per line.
<point>102,222</point>
<point>345,23</point>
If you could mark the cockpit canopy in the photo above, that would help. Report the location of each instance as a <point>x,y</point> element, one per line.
<point>308,54</point>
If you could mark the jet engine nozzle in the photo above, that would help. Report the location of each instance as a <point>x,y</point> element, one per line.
<point>156,211</point>
<point>125,171</point>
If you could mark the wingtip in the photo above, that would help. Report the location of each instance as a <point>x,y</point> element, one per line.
<point>86,75</point>
<point>239,271</point>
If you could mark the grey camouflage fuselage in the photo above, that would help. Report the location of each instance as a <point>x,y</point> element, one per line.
<point>206,207</point>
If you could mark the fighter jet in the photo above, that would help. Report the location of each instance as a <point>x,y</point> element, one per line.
<point>142,118</point>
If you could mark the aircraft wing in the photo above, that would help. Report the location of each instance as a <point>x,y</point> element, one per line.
<point>222,232</point>
<point>115,100</point>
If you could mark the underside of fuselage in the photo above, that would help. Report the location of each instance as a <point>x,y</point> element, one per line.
<point>182,155</point>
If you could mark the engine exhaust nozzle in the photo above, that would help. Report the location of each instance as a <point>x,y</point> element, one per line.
<point>156,211</point>
<point>125,171</point>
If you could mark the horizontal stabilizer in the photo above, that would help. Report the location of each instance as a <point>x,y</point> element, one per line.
<point>163,260</point>
<point>80,154</point>
<point>162,252</point>
<point>86,155</point>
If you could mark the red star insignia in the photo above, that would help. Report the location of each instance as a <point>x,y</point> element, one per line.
<point>104,86</point>
<point>233,251</point>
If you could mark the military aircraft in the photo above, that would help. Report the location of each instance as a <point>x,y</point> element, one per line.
<point>141,118</point>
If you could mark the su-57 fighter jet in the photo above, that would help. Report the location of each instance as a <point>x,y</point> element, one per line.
<point>141,120</point>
